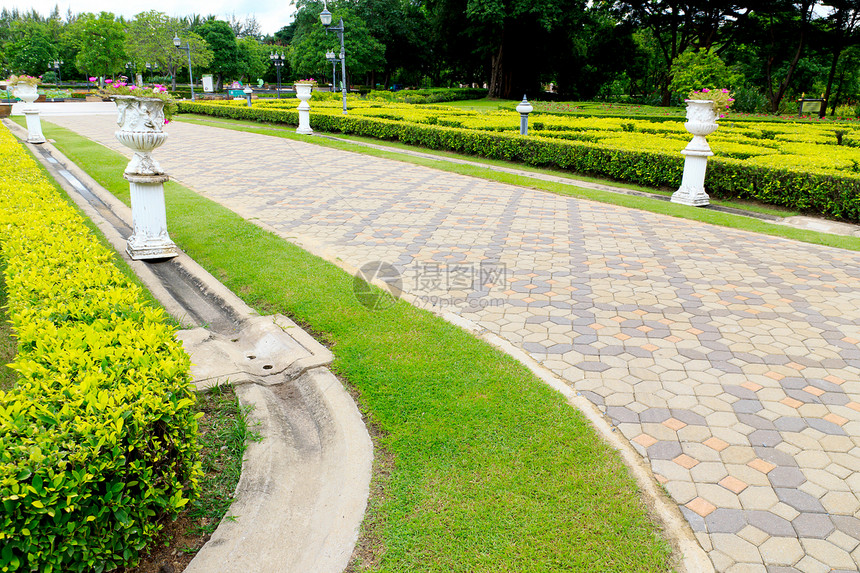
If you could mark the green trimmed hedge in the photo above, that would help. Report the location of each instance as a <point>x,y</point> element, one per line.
<point>98,439</point>
<point>828,195</point>
<point>428,95</point>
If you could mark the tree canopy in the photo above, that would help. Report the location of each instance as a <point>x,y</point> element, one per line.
<point>652,51</point>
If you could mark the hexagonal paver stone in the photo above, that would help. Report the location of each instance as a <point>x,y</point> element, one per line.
<point>847,525</point>
<point>756,421</point>
<point>664,450</point>
<point>785,551</point>
<point>657,415</point>
<point>688,417</point>
<point>770,523</point>
<point>826,427</point>
<point>696,521</point>
<point>767,438</point>
<point>620,414</point>
<point>801,501</point>
<point>747,406</point>
<point>814,525</point>
<point>592,366</point>
<point>787,424</point>
<point>786,477</point>
<point>723,520</point>
<point>776,456</point>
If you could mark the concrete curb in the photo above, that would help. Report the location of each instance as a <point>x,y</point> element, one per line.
<point>303,490</point>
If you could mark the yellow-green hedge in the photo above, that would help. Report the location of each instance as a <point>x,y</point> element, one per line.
<point>625,156</point>
<point>98,440</point>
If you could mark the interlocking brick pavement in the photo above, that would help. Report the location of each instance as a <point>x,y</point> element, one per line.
<point>729,360</point>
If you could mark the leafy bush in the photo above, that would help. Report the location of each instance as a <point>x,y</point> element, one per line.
<point>749,100</point>
<point>429,95</point>
<point>698,69</point>
<point>98,439</point>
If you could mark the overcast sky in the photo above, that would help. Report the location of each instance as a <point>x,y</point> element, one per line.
<point>271,14</point>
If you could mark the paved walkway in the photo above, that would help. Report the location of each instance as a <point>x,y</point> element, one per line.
<point>729,360</point>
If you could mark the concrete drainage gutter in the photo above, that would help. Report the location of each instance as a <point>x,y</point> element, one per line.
<point>304,487</point>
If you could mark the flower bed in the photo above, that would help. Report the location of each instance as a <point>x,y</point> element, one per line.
<point>798,166</point>
<point>98,439</point>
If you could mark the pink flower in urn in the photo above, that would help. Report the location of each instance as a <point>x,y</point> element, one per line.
<point>108,81</point>
<point>93,78</point>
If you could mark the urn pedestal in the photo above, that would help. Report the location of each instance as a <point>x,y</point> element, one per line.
<point>304,93</point>
<point>701,122</point>
<point>28,94</point>
<point>140,122</point>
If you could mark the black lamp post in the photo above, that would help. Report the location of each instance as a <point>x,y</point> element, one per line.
<point>278,60</point>
<point>151,68</point>
<point>57,64</point>
<point>187,47</point>
<point>325,18</point>
<point>331,57</point>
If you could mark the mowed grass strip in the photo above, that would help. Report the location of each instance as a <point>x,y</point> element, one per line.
<point>491,470</point>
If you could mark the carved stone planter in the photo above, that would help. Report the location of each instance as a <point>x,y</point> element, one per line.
<point>701,122</point>
<point>28,94</point>
<point>25,92</point>
<point>141,124</point>
<point>304,93</point>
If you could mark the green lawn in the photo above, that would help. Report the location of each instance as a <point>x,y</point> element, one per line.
<point>489,469</point>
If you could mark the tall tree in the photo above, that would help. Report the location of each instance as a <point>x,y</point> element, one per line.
<point>310,43</point>
<point>676,26</point>
<point>502,27</point>
<point>253,58</point>
<point>150,41</point>
<point>100,41</point>
<point>32,51</point>
<point>221,40</point>
<point>777,36</point>
<point>842,30</point>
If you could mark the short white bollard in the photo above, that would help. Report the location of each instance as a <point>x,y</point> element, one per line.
<point>524,108</point>
<point>701,122</point>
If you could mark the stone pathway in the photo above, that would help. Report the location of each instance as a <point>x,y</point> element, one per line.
<point>729,360</point>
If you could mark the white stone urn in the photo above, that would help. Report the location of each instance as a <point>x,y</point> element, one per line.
<point>304,93</point>
<point>701,122</point>
<point>141,124</point>
<point>28,93</point>
<point>25,92</point>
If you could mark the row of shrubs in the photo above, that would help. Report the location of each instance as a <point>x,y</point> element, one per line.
<point>98,439</point>
<point>830,195</point>
<point>428,95</point>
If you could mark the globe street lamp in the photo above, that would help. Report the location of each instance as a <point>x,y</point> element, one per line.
<point>325,18</point>
<point>278,60</point>
<point>187,47</point>
<point>57,64</point>
<point>330,56</point>
<point>151,68</point>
